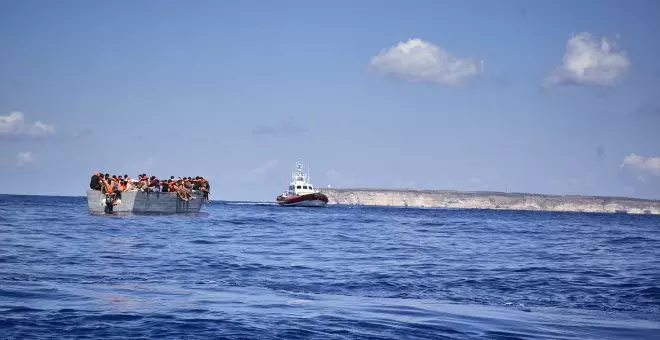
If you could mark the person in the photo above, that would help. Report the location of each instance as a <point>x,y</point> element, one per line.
<point>154,183</point>
<point>115,185</point>
<point>129,185</point>
<point>95,182</point>
<point>205,188</point>
<point>179,187</point>
<point>108,188</point>
<point>165,185</point>
<point>187,183</point>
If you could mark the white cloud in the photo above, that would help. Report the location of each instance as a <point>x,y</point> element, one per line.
<point>650,165</point>
<point>589,62</point>
<point>23,158</point>
<point>13,125</point>
<point>642,175</point>
<point>40,129</point>
<point>418,60</point>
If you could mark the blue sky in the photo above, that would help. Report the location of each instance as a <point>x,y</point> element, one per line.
<point>554,97</point>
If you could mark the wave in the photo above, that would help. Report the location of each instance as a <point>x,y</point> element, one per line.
<point>254,271</point>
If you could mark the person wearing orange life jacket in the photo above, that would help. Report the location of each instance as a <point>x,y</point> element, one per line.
<point>118,187</point>
<point>107,188</point>
<point>106,185</point>
<point>165,186</point>
<point>112,187</point>
<point>143,182</point>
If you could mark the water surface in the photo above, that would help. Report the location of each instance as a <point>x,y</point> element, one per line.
<point>248,271</point>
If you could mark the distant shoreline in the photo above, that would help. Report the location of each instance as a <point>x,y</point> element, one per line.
<point>490,200</point>
<point>486,192</point>
<point>473,192</point>
<point>456,199</point>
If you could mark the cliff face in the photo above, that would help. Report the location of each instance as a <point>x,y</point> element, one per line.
<point>490,200</point>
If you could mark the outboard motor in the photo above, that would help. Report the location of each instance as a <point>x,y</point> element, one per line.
<point>109,203</point>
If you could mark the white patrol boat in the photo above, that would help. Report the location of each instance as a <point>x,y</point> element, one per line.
<point>301,192</point>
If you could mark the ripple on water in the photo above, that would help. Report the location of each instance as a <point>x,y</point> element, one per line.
<point>263,271</point>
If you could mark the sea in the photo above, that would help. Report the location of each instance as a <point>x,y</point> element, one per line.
<point>242,270</point>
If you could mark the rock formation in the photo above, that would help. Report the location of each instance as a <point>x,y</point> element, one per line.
<point>491,200</point>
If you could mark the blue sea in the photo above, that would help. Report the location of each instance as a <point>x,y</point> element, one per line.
<point>260,271</point>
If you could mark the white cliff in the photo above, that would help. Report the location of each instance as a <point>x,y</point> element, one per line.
<point>491,200</point>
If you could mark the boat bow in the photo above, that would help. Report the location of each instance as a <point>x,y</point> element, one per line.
<point>301,192</point>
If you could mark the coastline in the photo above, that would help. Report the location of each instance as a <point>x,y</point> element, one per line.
<point>455,199</point>
<point>490,200</point>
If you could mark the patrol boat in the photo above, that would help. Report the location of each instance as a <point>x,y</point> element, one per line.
<point>301,192</point>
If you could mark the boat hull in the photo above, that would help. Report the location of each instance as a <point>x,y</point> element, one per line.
<point>308,200</point>
<point>145,203</point>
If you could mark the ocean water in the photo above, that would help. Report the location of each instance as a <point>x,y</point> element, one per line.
<point>259,271</point>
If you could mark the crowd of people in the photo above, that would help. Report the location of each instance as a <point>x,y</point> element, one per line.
<point>184,186</point>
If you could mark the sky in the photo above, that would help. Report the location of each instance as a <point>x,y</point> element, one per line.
<point>553,97</point>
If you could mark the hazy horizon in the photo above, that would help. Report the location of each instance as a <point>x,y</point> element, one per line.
<point>376,189</point>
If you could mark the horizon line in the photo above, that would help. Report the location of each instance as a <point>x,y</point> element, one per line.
<point>397,189</point>
<point>489,192</point>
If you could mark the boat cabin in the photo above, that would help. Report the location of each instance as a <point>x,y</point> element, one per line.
<point>301,189</point>
<point>300,184</point>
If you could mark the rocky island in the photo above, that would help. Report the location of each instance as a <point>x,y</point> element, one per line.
<point>491,200</point>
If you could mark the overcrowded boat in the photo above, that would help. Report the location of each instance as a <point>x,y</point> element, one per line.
<point>110,194</point>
